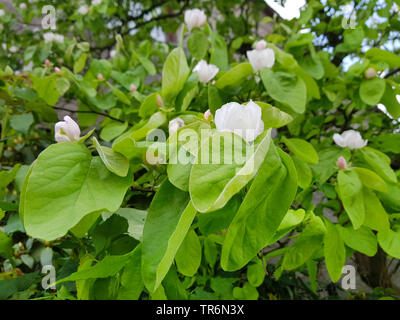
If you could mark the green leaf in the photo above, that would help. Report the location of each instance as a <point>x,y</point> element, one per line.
<point>262,211</point>
<point>174,289</point>
<point>302,149</point>
<point>174,74</point>
<point>65,184</point>
<point>9,287</point>
<point>390,242</point>
<point>211,185</point>
<point>188,257</point>
<point>113,130</point>
<point>80,63</point>
<point>256,274</point>
<point>21,122</point>
<point>219,52</point>
<point>149,105</point>
<point>376,217</point>
<point>370,179</point>
<point>286,88</point>
<point>235,76</point>
<point>136,219</point>
<point>362,239</point>
<point>46,89</point>
<point>120,95</point>
<point>148,65</point>
<point>351,194</point>
<point>197,44</point>
<point>5,245</point>
<point>179,172</point>
<point>371,91</point>
<point>334,251</point>
<point>131,277</point>
<point>169,217</point>
<point>114,161</point>
<point>107,267</point>
<point>379,55</point>
<point>308,242</point>
<point>273,117</point>
<point>247,292</point>
<point>379,162</point>
<point>390,101</point>
<point>304,173</point>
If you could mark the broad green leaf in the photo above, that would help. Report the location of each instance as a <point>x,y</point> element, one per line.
<point>80,63</point>
<point>83,286</point>
<point>256,274</point>
<point>379,162</point>
<point>131,277</point>
<point>114,161</point>
<point>286,88</point>
<point>113,130</point>
<point>211,185</point>
<point>188,257</point>
<point>5,245</point>
<point>21,122</point>
<point>370,179</point>
<point>362,239</point>
<point>219,52</point>
<point>235,76</point>
<point>289,222</point>
<point>262,211</point>
<point>107,267</point>
<point>309,241</point>
<point>168,220</point>
<point>148,65</point>
<point>9,287</point>
<point>215,98</point>
<point>302,149</point>
<point>351,194</point>
<point>197,44</point>
<point>304,173</point>
<point>174,289</point>
<point>46,89</point>
<point>376,217</point>
<point>390,242</point>
<point>273,117</point>
<point>149,105</point>
<point>65,184</point>
<point>120,95</point>
<point>389,100</point>
<point>371,91</point>
<point>136,219</point>
<point>83,226</point>
<point>378,55</point>
<point>334,251</point>
<point>391,198</point>
<point>179,171</point>
<point>247,292</point>
<point>174,74</point>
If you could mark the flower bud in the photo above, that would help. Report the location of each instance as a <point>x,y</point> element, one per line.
<point>47,63</point>
<point>260,45</point>
<point>370,73</point>
<point>67,130</point>
<point>132,88</point>
<point>159,101</point>
<point>57,70</point>
<point>207,114</point>
<point>341,163</point>
<point>195,18</point>
<point>174,125</point>
<point>100,77</point>
<point>261,57</point>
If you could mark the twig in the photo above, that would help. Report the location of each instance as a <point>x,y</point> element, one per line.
<point>91,111</point>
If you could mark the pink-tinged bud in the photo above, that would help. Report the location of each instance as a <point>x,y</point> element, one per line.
<point>57,70</point>
<point>100,77</point>
<point>341,163</point>
<point>47,63</point>
<point>207,114</point>
<point>132,88</point>
<point>159,101</point>
<point>260,45</point>
<point>370,73</point>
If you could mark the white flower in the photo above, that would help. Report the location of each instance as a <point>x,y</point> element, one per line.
<point>112,54</point>
<point>13,49</point>
<point>260,45</point>
<point>83,10</point>
<point>261,57</point>
<point>195,18</point>
<point>22,6</point>
<point>96,2</point>
<point>2,12</point>
<point>205,71</point>
<point>350,138</point>
<point>28,67</point>
<point>174,125</point>
<point>244,120</point>
<point>51,37</point>
<point>67,130</point>
<point>370,73</point>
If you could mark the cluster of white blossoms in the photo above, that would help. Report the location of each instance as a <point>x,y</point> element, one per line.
<point>205,71</point>
<point>53,37</point>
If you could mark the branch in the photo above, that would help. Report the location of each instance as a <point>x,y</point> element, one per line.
<point>90,111</point>
<point>391,73</point>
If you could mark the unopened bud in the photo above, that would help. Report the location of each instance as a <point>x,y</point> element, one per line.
<point>100,77</point>
<point>370,73</point>
<point>341,163</point>
<point>207,114</point>
<point>159,101</point>
<point>47,63</point>
<point>132,88</point>
<point>57,70</point>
